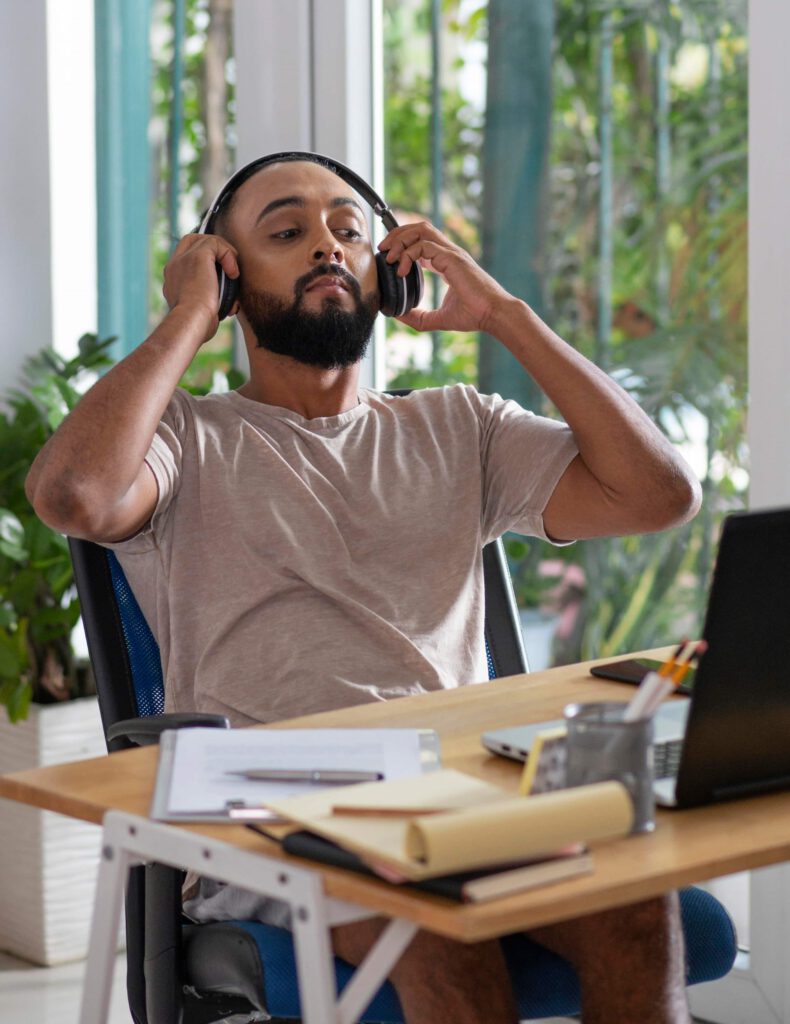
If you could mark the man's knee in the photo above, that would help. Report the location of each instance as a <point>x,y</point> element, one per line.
<point>426,952</point>
<point>428,958</point>
<point>647,926</point>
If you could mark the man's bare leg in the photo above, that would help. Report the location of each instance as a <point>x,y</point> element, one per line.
<point>630,962</point>
<point>440,980</point>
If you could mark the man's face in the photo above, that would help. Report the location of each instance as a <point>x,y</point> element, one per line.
<point>308,274</point>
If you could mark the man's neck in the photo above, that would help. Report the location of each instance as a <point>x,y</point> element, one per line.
<point>310,391</point>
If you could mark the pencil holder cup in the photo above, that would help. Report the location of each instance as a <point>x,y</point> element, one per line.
<point>602,746</point>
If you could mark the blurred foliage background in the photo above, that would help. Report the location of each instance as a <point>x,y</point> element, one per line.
<point>623,212</point>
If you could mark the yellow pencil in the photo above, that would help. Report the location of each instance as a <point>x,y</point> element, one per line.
<point>669,665</point>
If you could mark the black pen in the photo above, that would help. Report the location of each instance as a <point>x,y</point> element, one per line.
<point>309,775</point>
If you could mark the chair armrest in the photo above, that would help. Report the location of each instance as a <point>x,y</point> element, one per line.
<point>144,732</point>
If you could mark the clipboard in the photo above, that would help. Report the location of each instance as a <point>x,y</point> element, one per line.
<point>194,781</point>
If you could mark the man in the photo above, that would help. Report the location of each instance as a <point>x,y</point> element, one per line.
<point>301,544</point>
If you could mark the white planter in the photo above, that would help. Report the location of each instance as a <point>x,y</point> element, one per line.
<point>48,862</point>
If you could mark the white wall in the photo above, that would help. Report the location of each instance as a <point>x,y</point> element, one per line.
<point>72,153</point>
<point>769,253</point>
<point>47,178</point>
<point>25,282</point>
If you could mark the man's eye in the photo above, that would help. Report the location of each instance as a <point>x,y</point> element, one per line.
<point>350,233</point>
<point>286,233</point>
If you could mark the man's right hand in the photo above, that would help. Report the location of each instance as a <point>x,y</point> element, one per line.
<point>190,276</point>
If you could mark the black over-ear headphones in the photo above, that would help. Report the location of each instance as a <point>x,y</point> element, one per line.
<point>397,295</point>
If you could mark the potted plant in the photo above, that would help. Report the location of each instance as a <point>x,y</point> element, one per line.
<point>47,862</point>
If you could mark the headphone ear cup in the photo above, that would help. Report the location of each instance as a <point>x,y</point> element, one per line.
<point>391,287</point>
<point>228,292</point>
<point>415,285</point>
<point>398,295</point>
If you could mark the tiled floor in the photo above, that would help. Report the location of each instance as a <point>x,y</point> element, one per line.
<point>51,995</point>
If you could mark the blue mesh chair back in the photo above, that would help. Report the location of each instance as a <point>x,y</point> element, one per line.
<point>142,649</point>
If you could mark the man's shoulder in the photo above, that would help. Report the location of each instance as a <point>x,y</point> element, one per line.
<point>452,404</point>
<point>184,403</point>
<point>214,399</point>
<point>449,396</point>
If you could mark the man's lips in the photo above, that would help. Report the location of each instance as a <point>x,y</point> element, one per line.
<point>328,282</point>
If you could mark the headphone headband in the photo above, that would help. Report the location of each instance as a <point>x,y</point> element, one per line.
<point>237,179</point>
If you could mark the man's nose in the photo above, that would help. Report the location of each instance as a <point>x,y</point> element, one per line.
<point>328,249</point>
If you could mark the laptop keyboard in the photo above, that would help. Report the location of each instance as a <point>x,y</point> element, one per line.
<point>666,758</point>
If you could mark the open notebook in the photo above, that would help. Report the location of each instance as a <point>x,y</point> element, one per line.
<point>447,822</point>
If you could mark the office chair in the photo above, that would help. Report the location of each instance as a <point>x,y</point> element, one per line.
<point>178,971</point>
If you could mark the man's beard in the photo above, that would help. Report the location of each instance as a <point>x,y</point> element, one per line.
<point>332,338</point>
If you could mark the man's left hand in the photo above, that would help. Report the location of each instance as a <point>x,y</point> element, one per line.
<point>473,298</point>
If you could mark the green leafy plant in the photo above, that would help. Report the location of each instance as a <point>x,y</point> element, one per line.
<point>38,601</point>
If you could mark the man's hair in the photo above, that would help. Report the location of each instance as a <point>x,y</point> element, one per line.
<point>219,219</point>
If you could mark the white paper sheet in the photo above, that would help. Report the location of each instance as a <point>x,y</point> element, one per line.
<point>199,760</point>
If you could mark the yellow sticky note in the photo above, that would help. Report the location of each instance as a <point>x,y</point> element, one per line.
<point>545,767</point>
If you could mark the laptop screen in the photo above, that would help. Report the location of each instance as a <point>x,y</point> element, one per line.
<point>738,732</point>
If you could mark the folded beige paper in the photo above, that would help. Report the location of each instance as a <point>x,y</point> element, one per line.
<point>483,825</point>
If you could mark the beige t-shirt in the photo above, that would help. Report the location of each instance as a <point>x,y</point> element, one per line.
<point>295,565</point>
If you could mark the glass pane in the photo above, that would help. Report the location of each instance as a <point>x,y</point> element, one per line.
<point>592,155</point>
<point>203,121</point>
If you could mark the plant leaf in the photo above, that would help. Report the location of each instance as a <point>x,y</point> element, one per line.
<point>11,665</point>
<point>16,696</point>
<point>12,536</point>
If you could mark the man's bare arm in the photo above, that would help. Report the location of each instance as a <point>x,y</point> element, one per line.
<point>90,479</point>
<point>627,478</point>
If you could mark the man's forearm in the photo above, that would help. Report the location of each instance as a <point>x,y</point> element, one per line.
<point>97,452</point>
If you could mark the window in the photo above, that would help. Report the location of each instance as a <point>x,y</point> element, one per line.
<point>595,163</point>
<point>166,139</point>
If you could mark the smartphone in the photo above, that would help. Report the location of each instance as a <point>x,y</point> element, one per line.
<point>634,670</point>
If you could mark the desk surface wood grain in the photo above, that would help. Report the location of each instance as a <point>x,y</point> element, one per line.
<point>686,847</point>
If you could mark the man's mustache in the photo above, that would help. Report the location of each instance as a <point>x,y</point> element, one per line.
<point>327,270</point>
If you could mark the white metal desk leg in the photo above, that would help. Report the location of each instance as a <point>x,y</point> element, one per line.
<point>374,969</point>
<point>314,959</point>
<point>97,987</point>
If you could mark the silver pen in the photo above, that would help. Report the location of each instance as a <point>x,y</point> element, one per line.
<point>326,776</point>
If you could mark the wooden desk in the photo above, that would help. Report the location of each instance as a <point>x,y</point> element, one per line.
<point>686,847</point>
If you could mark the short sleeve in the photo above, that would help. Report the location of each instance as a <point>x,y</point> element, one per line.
<point>523,457</point>
<point>164,457</point>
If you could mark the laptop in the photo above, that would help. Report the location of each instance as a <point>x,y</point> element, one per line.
<point>732,737</point>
